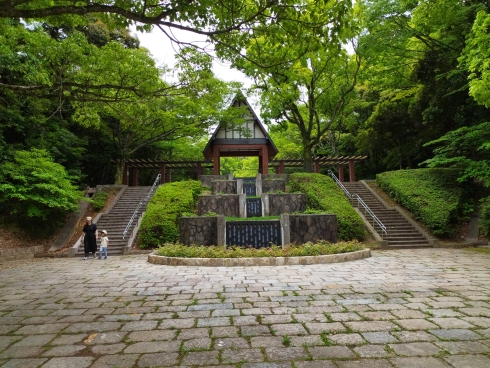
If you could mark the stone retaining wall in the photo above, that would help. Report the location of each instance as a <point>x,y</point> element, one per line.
<point>14,254</point>
<point>286,203</point>
<point>262,261</point>
<point>284,177</point>
<point>226,205</point>
<point>273,186</point>
<point>206,180</point>
<point>305,228</point>
<point>224,186</point>
<point>199,230</point>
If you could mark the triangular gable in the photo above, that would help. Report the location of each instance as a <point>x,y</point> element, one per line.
<point>252,132</point>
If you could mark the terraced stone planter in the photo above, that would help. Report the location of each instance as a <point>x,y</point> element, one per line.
<point>226,205</point>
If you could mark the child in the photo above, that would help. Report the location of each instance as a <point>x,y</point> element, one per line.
<point>104,242</point>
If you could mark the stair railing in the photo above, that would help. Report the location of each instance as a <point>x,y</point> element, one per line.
<point>142,203</point>
<point>360,203</point>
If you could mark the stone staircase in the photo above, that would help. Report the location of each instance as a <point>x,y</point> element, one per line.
<point>117,219</point>
<point>401,233</point>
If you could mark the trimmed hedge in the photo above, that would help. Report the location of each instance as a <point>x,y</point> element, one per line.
<point>322,247</point>
<point>323,195</point>
<point>160,222</point>
<point>434,196</point>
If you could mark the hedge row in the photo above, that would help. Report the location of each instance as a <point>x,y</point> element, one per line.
<point>434,196</point>
<point>323,194</point>
<point>160,222</point>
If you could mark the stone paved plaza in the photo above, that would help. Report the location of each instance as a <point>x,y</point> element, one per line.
<point>413,308</point>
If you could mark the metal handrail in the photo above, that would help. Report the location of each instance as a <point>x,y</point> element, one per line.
<point>367,210</point>
<point>142,202</point>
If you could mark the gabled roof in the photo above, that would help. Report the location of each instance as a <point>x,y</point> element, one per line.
<point>239,97</point>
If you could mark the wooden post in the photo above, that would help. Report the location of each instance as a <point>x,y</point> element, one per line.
<point>352,174</point>
<point>341,174</point>
<point>216,161</point>
<point>199,170</point>
<point>162,173</point>
<point>264,159</point>
<point>317,166</point>
<point>125,174</point>
<point>135,177</point>
<point>281,167</point>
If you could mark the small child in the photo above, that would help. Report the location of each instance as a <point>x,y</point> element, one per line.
<point>104,242</point>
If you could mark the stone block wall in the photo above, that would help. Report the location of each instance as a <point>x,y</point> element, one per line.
<point>224,186</point>
<point>305,228</point>
<point>226,205</point>
<point>199,230</point>
<point>284,177</point>
<point>286,203</point>
<point>206,180</point>
<point>273,186</point>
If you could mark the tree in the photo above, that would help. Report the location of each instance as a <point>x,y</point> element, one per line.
<point>476,58</point>
<point>34,189</point>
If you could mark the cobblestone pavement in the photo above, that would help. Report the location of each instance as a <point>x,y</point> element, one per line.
<point>412,308</point>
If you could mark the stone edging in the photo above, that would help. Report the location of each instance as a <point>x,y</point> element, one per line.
<point>259,261</point>
<point>14,254</point>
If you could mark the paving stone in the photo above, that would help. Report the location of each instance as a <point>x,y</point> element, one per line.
<point>21,352</point>
<point>409,336</point>
<point>268,365</point>
<point>155,335</point>
<point>415,324</point>
<point>231,343</point>
<point>152,347</point>
<point>331,352</point>
<point>119,361</point>
<point>64,350</point>
<point>201,358</point>
<point>309,340</point>
<point>108,349</point>
<point>202,343</point>
<point>415,349</point>
<point>377,316</point>
<point>93,327</point>
<point>269,341</point>
<point>315,364</point>
<point>242,355</point>
<point>382,337</point>
<point>104,338</point>
<point>245,321</point>
<point>338,317</point>
<point>372,351</point>
<point>420,363</point>
<point>437,313</point>
<point>468,361</point>
<point>347,339</point>
<point>318,328</point>
<point>209,307</point>
<point>285,353</point>
<point>276,318</point>
<point>229,331</point>
<point>255,330</point>
<point>314,317</point>
<point>176,323</point>
<point>463,347</point>
<point>408,314</point>
<point>450,323</point>
<point>476,312</point>
<point>288,329</point>
<point>139,326</point>
<point>72,362</point>
<point>371,326</point>
<point>455,334</point>
<point>156,359</point>
<point>35,340</point>
<point>52,328</point>
<point>24,363</point>
<point>213,322</point>
<point>192,333</point>
<point>365,363</point>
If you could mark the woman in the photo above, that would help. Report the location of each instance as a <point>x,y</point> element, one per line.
<point>90,237</point>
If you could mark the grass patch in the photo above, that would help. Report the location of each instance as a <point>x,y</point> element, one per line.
<point>478,250</point>
<point>308,249</point>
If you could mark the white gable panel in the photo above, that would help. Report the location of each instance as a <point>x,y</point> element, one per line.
<point>258,132</point>
<point>221,133</point>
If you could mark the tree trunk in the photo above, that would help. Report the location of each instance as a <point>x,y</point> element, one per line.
<point>119,172</point>
<point>307,157</point>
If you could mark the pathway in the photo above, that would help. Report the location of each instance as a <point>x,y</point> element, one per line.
<point>410,308</point>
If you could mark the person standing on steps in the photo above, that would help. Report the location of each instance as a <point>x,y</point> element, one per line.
<point>104,242</point>
<point>90,236</point>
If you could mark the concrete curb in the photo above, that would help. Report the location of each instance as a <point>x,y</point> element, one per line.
<point>259,261</point>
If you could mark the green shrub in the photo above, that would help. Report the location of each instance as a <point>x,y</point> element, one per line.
<point>485,217</point>
<point>434,196</point>
<point>99,200</point>
<point>323,194</point>
<point>36,192</point>
<point>308,249</point>
<point>160,222</point>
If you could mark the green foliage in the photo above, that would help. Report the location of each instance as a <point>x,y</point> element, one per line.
<point>322,194</point>
<point>434,196</point>
<point>160,222</point>
<point>485,217</point>
<point>99,200</point>
<point>35,190</point>
<point>308,249</point>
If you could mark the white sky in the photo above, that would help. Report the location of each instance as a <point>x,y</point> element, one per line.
<point>162,50</point>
